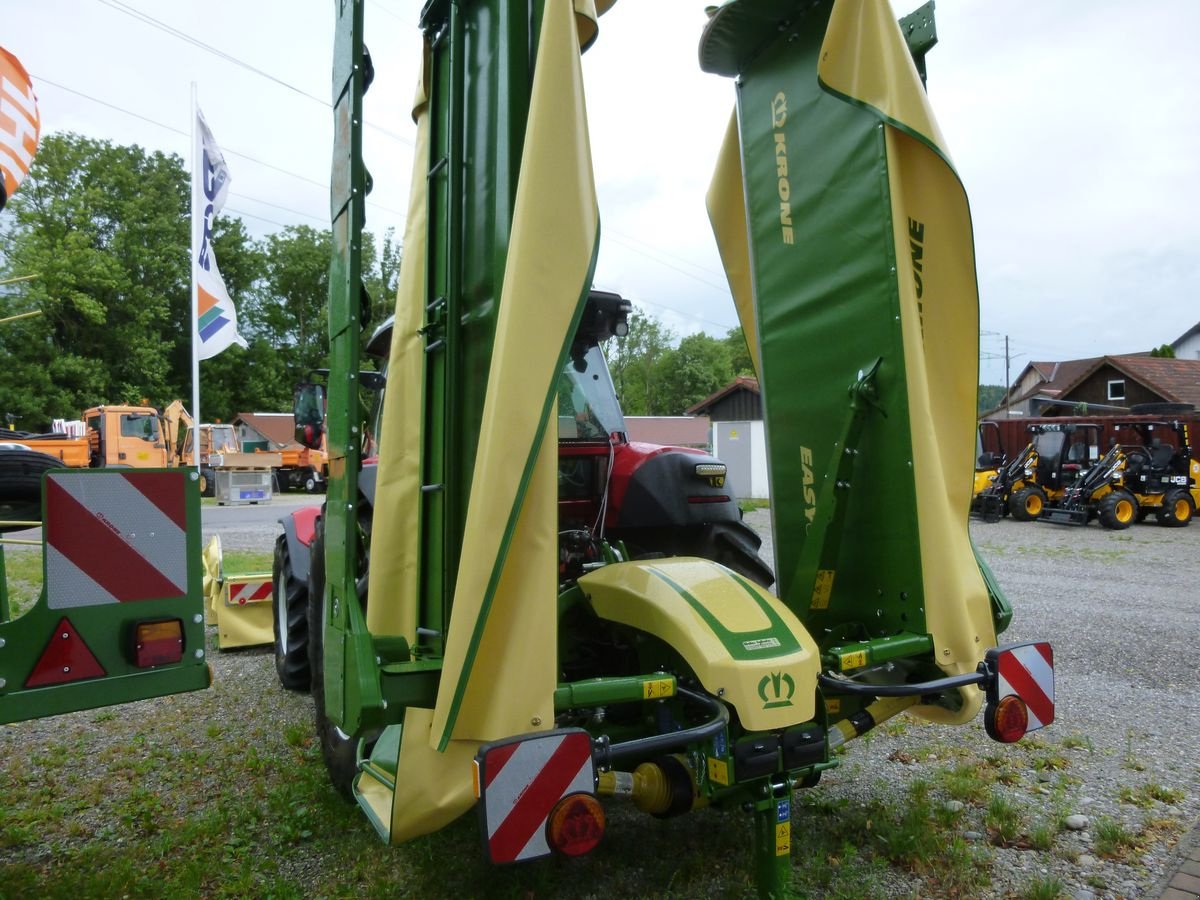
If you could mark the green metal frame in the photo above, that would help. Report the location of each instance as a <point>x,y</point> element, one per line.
<point>107,630</point>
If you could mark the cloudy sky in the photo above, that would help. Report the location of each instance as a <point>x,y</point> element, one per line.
<point>1075,127</point>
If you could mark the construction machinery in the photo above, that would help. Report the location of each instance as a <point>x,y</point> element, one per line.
<point>1159,469</point>
<point>1052,461</point>
<point>455,661</point>
<point>1097,492</point>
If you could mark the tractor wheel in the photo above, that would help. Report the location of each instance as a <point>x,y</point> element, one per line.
<point>290,599</point>
<point>1176,510</point>
<point>1118,510</point>
<point>208,484</point>
<point>1027,503</point>
<point>733,545</point>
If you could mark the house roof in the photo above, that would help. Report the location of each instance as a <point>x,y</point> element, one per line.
<point>1195,329</point>
<point>1175,380</point>
<point>668,430</point>
<point>742,383</point>
<point>278,428</point>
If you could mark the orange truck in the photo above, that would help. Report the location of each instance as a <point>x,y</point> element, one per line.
<point>117,436</point>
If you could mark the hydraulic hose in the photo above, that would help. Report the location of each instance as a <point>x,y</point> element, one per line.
<point>606,753</point>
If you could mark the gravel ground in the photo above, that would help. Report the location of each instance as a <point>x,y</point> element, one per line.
<point>1121,611</point>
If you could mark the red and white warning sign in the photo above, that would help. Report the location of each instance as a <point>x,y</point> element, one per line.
<point>115,537</point>
<point>1027,670</point>
<point>253,590</point>
<point>521,781</point>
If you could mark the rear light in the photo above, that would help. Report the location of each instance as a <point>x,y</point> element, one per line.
<point>158,643</point>
<point>1008,720</point>
<point>1020,690</point>
<point>576,825</point>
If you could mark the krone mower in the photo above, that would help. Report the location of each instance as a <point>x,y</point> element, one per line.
<point>454,667</point>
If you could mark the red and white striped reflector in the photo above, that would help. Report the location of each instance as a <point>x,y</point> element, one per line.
<point>1026,670</point>
<point>239,593</point>
<point>115,537</point>
<point>520,782</point>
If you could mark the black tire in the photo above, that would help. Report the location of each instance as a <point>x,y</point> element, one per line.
<point>208,484</point>
<point>21,485</point>
<point>1118,510</point>
<point>312,484</point>
<point>1027,504</point>
<point>732,544</point>
<point>290,599</point>
<point>1177,509</point>
<point>338,749</point>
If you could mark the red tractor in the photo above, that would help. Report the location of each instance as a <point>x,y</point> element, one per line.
<point>654,500</point>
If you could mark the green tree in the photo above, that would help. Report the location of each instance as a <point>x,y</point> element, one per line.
<point>739,352</point>
<point>1163,352</point>
<point>990,396</point>
<point>104,229</point>
<point>699,366</point>
<point>633,361</point>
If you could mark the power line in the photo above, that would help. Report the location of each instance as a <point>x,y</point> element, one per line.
<point>224,149</point>
<point>147,19</point>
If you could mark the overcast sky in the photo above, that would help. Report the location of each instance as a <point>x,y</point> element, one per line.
<point>1074,125</point>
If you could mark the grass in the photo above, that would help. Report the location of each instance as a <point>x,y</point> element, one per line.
<point>23,568</point>
<point>1146,795</point>
<point>750,504</point>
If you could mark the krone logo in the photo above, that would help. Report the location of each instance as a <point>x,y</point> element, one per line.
<point>779,110</point>
<point>781,685</point>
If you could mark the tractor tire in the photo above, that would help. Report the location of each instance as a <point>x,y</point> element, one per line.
<point>1118,510</point>
<point>208,484</point>
<point>1177,509</point>
<point>338,749</point>
<point>1027,504</point>
<point>290,599</point>
<point>733,545</point>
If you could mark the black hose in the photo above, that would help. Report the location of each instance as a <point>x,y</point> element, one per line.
<point>606,754</point>
<point>863,689</point>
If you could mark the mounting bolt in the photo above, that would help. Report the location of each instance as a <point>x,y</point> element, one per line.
<point>198,618</point>
<point>535,721</point>
<point>199,654</point>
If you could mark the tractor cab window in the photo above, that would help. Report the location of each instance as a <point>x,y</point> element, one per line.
<point>1049,447</point>
<point>587,402</point>
<point>134,425</point>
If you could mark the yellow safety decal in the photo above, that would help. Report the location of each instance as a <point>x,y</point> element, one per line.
<point>853,660</point>
<point>658,688</point>
<point>822,588</point>
<point>783,838</point>
<point>833,705</point>
<point>718,771</point>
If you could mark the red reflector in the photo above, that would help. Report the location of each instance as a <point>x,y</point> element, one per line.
<point>719,498</point>
<point>575,825</point>
<point>158,643</point>
<point>66,658</point>
<point>1008,720</point>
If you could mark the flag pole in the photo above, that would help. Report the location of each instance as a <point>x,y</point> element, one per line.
<point>195,317</point>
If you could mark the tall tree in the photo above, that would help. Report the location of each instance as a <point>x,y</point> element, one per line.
<point>739,352</point>
<point>696,368</point>
<point>633,361</point>
<point>104,228</point>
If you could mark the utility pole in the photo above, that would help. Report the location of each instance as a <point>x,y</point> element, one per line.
<point>1007,382</point>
